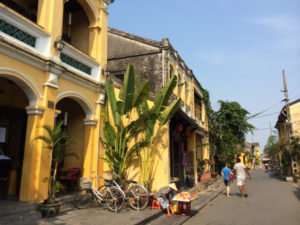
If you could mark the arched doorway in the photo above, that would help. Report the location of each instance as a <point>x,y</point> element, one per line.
<point>13,122</point>
<point>73,115</point>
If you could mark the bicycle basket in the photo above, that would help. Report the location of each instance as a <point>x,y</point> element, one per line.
<point>85,183</point>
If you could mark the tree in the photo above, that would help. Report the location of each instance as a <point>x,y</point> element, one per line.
<point>295,146</point>
<point>227,130</point>
<point>56,141</point>
<point>272,147</point>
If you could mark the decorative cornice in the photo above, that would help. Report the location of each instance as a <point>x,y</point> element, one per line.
<point>34,111</point>
<point>50,85</point>
<point>88,122</point>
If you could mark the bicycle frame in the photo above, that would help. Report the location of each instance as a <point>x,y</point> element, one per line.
<point>96,193</point>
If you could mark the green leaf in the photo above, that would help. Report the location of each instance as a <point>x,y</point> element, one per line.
<point>162,98</point>
<point>141,94</point>
<point>127,90</point>
<point>168,113</point>
<point>113,103</point>
<point>110,133</point>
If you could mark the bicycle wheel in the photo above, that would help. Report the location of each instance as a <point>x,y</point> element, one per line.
<point>102,191</point>
<point>114,199</point>
<point>83,199</point>
<point>138,197</point>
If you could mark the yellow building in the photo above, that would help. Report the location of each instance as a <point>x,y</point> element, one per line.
<point>247,156</point>
<point>52,55</point>
<point>185,136</point>
<point>283,130</point>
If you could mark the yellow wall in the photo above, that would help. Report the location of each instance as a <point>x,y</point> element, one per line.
<point>295,115</point>
<point>32,72</point>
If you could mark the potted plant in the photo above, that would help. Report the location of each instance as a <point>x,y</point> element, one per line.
<point>56,141</point>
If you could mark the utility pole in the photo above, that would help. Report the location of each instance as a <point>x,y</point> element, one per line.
<point>287,107</point>
<point>288,116</point>
<point>270,128</point>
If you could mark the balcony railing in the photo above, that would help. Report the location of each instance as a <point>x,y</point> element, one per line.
<point>24,32</point>
<point>79,62</point>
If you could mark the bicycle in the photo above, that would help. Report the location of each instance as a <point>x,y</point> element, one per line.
<point>107,195</point>
<point>136,195</point>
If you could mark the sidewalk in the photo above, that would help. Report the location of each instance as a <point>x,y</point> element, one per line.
<point>97,215</point>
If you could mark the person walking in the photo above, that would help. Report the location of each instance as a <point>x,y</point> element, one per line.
<point>240,171</point>
<point>227,174</point>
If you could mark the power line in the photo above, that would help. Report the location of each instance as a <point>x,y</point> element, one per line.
<point>256,114</point>
<point>295,88</point>
<point>265,115</point>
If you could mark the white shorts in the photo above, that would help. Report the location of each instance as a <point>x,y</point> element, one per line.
<point>240,181</point>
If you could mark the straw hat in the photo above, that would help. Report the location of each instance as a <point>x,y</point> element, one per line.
<point>173,186</point>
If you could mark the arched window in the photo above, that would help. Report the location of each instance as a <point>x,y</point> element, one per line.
<point>25,8</point>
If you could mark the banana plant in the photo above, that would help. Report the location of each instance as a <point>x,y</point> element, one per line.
<point>159,114</point>
<point>119,148</point>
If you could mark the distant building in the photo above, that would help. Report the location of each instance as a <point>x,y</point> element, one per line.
<point>294,128</point>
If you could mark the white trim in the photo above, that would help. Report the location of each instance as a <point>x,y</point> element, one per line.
<point>84,59</point>
<point>79,81</point>
<point>198,91</point>
<point>33,100</point>
<point>94,9</point>
<point>50,85</point>
<point>86,105</point>
<point>43,39</point>
<point>90,122</point>
<point>35,111</point>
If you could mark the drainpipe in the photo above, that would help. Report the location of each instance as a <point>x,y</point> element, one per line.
<point>101,102</point>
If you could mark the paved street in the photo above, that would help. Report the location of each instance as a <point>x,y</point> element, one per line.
<point>271,201</point>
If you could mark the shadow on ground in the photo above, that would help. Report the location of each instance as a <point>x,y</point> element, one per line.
<point>297,193</point>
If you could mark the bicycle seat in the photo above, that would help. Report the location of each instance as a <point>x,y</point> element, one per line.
<point>110,181</point>
<point>131,181</point>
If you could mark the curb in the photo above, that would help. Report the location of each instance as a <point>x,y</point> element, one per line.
<point>16,210</point>
<point>214,193</point>
<point>150,218</point>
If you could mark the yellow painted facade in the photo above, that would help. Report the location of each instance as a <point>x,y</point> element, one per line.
<point>46,83</point>
<point>55,70</point>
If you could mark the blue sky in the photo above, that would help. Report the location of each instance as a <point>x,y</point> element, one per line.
<point>236,49</point>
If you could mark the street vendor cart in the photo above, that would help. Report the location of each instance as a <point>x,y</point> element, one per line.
<point>184,200</point>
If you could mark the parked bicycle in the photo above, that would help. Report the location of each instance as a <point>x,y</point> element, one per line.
<point>136,195</point>
<point>107,195</point>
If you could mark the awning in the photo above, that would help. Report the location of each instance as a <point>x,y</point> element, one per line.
<point>184,118</point>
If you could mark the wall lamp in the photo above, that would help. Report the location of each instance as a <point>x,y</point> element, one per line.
<point>105,71</point>
<point>59,44</point>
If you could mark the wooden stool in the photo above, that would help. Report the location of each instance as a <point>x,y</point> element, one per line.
<point>156,204</point>
<point>184,208</point>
